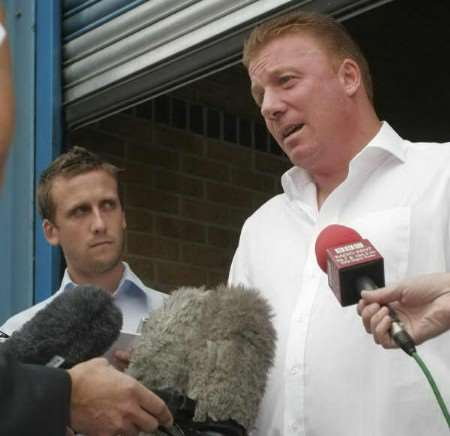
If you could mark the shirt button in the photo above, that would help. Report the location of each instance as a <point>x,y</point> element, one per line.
<point>293,427</point>
<point>294,370</point>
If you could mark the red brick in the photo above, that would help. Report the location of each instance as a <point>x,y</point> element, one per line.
<point>180,229</point>
<point>136,173</point>
<point>144,268</point>
<point>204,212</point>
<point>271,164</point>
<point>205,256</point>
<point>220,237</point>
<point>257,182</point>
<point>233,155</point>
<point>260,199</point>
<point>139,220</point>
<point>216,278</point>
<point>136,196</point>
<point>178,139</point>
<point>155,156</point>
<point>180,184</point>
<point>128,127</point>
<point>238,217</point>
<point>177,274</point>
<point>98,142</point>
<point>205,168</point>
<point>141,244</point>
<point>229,195</point>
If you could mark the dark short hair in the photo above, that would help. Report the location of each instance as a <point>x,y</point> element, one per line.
<point>74,162</point>
<point>325,29</point>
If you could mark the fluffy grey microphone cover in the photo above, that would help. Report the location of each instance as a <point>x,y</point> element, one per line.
<point>214,345</point>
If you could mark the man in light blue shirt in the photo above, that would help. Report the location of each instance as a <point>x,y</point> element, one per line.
<point>79,201</point>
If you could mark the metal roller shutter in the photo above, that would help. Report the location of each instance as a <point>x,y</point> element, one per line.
<point>118,53</point>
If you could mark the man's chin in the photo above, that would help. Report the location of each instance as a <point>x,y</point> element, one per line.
<point>105,265</point>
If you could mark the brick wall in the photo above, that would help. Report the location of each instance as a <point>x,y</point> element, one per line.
<point>186,195</point>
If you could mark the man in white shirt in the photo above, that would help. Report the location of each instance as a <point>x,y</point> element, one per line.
<point>314,89</point>
<point>81,208</point>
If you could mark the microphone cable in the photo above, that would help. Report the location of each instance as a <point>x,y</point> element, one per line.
<point>406,343</point>
<point>433,385</point>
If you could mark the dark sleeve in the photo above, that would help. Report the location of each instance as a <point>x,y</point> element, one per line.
<point>33,399</point>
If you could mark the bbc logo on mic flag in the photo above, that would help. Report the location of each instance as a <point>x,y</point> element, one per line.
<point>346,261</point>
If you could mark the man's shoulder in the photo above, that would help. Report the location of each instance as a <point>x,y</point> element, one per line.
<point>270,209</point>
<point>431,148</point>
<point>19,319</point>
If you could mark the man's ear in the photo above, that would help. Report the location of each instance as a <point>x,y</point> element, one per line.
<point>350,76</point>
<point>50,232</point>
<point>124,220</point>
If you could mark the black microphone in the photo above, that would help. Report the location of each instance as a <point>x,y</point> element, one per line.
<point>352,265</point>
<point>79,324</point>
<point>207,353</point>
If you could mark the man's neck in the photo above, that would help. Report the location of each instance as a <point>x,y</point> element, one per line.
<point>109,280</point>
<point>327,180</point>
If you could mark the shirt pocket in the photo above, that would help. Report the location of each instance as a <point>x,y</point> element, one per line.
<point>389,232</point>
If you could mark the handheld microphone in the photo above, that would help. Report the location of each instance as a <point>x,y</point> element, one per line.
<point>352,265</point>
<point>79,324</point>
<point>207,353</point>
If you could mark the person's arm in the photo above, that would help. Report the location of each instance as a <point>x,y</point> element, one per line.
<point>33,399</point>
<point>422,303</point>
<point>6,100</point>
<point>92,398</point>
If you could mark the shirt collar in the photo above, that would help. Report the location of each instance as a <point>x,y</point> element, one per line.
<point>389,140</point>
<point>297,180</point>
<point>129,280</point>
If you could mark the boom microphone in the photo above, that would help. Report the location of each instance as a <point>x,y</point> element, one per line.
<point>207,353</point>
<point>353,264</point>
<point>79,324</point>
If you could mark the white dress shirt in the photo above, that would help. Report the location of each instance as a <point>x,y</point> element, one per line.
<point>329,377</point>
<point>133,298</point>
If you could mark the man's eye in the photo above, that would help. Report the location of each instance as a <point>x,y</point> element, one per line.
<point>286,80</point>
<point>109,205</point>
<point>79,211</point>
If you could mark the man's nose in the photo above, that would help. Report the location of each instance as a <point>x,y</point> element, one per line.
<point>98,222</point>
<point>272,105</point>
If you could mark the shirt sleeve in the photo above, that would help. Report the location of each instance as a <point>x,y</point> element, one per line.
<point>239,270</point>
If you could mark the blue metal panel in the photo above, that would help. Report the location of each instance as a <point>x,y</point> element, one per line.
<point>48,131</point>
<point>93,13</point>
<point>16,201</point>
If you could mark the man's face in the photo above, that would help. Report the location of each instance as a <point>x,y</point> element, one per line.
<point>89,222</point>
<point>302,98</point>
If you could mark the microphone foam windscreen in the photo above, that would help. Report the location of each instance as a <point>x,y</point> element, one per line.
<point>215,346</point>
<point>79,324</point>
<point>331,236</point>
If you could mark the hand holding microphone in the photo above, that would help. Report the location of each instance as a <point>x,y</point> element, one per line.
<point>77,326</point>
<point>422,304</point>
<point>354,265</point>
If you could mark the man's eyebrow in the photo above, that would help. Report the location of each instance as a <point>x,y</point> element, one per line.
<point>76,206</point>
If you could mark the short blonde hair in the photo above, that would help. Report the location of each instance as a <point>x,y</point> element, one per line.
<point>74,162</point>
<point>330,33</point>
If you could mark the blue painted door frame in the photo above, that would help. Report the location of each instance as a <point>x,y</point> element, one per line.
<point>28,267</point>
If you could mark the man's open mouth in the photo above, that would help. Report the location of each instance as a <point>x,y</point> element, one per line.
<point>292,129</point>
